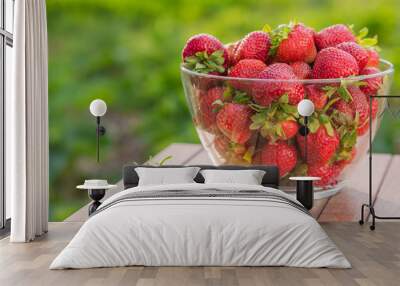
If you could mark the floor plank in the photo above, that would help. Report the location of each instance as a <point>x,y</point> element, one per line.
<point>375,257</point>
<point>387,202</point>
<point>345,206</point>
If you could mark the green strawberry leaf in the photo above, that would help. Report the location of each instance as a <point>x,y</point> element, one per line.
<point>202,62</point>
<point>228,91</point>
<point>218,57</point>
<point>277,36</point>
<point>364,41</point>
<point>329,104</point>
<point>313,125</point>
<point>327,124</point>
<point>279,130</point>
<point>257,107</point>
<point>241,98</point>
<point>300,170</point>
<point>218,104</point>
<point>267,28</point>
<point>349,139</point>
<point>345,94</point>
<point>329,90</point>
<point>290,109</point>
<point>356,119</point>
<point>351,28</point>
<point>248,156</point>
<point>162,162</point>
<point>284,98</point>
<point>267,129</point>
<point>258,121</point>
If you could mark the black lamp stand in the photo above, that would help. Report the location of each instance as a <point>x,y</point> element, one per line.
<point>100,131</point>
<point>96,195</point>
<point>305,188</point>
<point>370,205</point>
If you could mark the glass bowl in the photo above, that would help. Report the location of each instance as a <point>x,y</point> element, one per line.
<point>255,121</point>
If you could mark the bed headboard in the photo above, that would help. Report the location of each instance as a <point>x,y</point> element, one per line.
<point>271,177</point>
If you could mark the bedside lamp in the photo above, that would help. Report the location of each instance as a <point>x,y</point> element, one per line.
<point>304,185</point>
<point>98,108</point>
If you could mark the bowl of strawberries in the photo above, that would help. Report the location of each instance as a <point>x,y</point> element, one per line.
<point>243,98</point>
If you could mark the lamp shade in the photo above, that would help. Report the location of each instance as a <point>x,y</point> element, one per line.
<point>305,107</point>
<point>98,107</point>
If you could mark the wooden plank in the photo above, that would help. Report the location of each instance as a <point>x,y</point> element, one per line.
<point>201,158</point>
<point>181,153</point>
<point>346,205</point>
<point>318,207</point>
<point>387,202</point>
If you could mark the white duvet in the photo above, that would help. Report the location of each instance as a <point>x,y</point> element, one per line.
<point>203,231</point>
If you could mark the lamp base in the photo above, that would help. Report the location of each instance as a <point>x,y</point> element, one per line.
<point>96,195</point>
<point>305,193</point>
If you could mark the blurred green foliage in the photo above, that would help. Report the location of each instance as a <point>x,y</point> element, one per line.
<point>127,52</point>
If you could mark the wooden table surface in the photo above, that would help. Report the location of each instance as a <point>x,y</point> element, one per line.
<point>345,206</point>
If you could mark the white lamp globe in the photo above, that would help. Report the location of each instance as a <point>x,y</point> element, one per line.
<point>98,107</point>
<point>305,107</point>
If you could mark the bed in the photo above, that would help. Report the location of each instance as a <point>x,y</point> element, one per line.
<point>199,224</point>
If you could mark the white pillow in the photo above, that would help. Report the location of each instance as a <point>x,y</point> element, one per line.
<point>247,177</point>
<point>163,176</point>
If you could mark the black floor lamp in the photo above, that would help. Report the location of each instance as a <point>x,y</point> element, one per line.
<point>98,108</point>
<point>370,205</point>
<point>304,184</point>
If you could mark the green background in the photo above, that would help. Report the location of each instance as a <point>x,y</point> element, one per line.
<point>127,52</point>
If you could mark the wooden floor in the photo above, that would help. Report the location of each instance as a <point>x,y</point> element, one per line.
<point>375,256</point>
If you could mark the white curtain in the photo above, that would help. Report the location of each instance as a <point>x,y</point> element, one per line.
<point>27,124</point>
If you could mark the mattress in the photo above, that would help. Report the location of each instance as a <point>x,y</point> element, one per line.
<point>201,225</point>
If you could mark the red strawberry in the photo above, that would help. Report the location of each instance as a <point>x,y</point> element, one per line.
<point>316,95</point>
<point>231,50</point>
<point>320,145</point>
<point>266,92</point>
<point>221,144</point>
<point>363,128</point>
<point>372,84</point>
<point>226,148</point>
<point>204,53</point>
<point>254,46</point>
<point>233,120</point>
<point>289,128</point>
<point>359,104</point>
<point>301,69</point>
<point>326,172</point>
<point>292,43</point>
<point>280,154</point>
<point>334,63</point>
<point>346,112</point>
<point>207,108</point>
<point>358,52</point>
<point>277,129</point>
<point>375,107</point>
<point>373,58</point>
<point>247,68</point>
<point>332,36</point>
